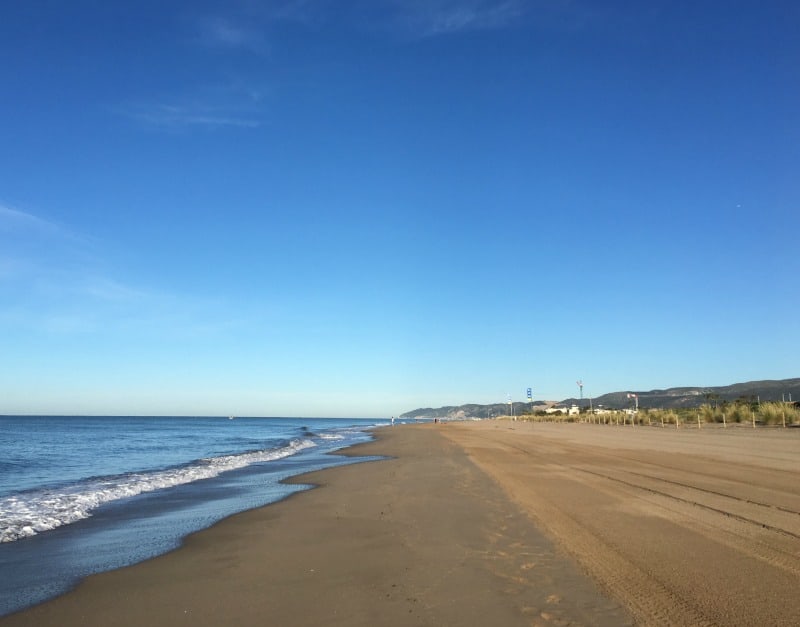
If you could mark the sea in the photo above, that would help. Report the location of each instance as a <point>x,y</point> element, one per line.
<point>86,494</point>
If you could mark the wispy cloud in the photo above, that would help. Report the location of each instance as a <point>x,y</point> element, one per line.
<point>113,291</point>
<point>432,18</point>
<point>229,102</point>
<point>14,220</point>
<point>305,11</point>
<point>231,34</point>
<point>48,260</point>
<point>26,240</point>
<point>172,116</point>
<point>244,25</point>
<point>57,281</point>
<point>441,17</point>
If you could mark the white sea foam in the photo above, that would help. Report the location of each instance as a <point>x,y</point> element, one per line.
<point>26,514</point>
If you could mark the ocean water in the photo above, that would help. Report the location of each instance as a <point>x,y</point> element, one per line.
<point>81,495</point>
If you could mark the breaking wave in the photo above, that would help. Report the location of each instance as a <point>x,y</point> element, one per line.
<point>28,513</point>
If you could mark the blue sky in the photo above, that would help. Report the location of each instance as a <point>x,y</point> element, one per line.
<point>359,208</point>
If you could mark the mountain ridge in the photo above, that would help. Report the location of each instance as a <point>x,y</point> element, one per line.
<point>669,398</point>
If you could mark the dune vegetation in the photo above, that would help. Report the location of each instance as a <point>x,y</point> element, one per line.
<point>724,414</point>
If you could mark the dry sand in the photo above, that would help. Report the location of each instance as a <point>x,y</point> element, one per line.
<point>683,527</point>
<point>492,523</point>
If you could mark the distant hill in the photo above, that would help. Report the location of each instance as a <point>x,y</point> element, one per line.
<point>672,398</point>
<point>472,410</point>
<point>675,398</point>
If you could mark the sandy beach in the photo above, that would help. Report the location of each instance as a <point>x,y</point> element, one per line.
<point>501,523</point>
<point>681,526</point>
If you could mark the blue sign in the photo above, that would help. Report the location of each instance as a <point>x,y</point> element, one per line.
<point>529,394</point>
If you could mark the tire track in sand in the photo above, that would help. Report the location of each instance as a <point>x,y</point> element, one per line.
<point>672,551</point>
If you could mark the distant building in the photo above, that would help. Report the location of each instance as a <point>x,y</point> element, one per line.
<point>572,410</point>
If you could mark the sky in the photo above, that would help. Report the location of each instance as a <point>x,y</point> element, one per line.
<point>333,208</point>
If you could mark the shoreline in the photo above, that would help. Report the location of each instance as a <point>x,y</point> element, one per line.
<point>490,522</point>
<point>94,526</point>
<point>420,537</point>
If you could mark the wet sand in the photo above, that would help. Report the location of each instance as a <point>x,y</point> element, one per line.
<point>492,523</point>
